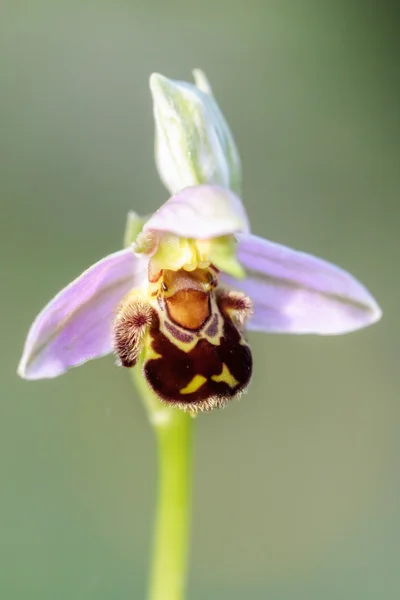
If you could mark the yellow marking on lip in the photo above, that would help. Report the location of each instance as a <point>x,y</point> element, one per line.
<point>193,385</point>
<point>150,353</point>
<point>225,377</point>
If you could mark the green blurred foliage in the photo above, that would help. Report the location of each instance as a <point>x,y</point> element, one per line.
<point>297,486</point>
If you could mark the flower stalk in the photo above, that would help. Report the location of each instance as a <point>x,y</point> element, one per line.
<point>173,431</point>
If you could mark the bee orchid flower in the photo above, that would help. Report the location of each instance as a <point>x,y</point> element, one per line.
<point>181,297</point>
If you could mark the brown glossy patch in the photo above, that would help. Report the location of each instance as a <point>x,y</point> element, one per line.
<point>132,322</point>
<point>223,371</point>
<point>189,308</point>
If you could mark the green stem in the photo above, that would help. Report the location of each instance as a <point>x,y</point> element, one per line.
<point>170,551</point>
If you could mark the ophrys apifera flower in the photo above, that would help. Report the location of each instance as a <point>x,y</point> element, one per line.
<point>194,279</point>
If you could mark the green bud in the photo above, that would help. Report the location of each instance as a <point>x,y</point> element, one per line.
<point>194,144</point>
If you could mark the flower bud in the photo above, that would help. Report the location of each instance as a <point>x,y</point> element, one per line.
<point>194,144</point>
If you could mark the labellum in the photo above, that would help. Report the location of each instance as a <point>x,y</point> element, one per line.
<point>189,330</point>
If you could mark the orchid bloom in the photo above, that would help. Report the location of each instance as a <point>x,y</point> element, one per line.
<point>180,298</point>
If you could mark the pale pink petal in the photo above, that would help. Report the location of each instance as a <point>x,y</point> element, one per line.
<point>200,212</point>
<point>76,325</point>
<point>294,292</point>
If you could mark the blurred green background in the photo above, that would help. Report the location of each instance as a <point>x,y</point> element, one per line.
<point>297,488</point>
